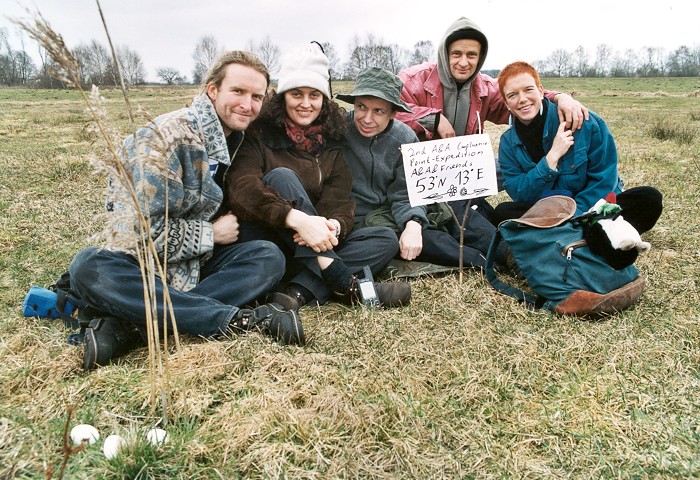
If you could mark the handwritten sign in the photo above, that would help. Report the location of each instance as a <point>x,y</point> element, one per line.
<point>449,169</point>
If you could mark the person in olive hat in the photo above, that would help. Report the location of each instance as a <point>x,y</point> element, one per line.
<point>373,154</point>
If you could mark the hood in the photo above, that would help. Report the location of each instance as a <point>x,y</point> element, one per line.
<point>443,58</point>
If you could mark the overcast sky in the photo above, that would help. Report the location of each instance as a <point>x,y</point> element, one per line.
<point>164,32</point>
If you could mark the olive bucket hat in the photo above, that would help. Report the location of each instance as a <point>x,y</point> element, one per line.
<point>380,83</point>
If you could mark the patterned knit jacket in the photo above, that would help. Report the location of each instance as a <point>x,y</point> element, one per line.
<point>169,160</point>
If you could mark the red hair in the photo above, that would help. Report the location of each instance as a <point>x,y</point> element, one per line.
<point>513,69</point>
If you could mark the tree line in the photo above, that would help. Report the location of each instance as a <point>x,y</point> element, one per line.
<point>98,67</point>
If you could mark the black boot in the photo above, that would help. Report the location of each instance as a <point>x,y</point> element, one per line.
<point>291,298</point>
<point>107,338</point>
<point>271,319</point>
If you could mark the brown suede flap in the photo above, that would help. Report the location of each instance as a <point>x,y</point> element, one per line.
<point>549,212</point>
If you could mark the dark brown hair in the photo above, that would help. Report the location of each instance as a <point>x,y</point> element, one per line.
<point>331,119</point>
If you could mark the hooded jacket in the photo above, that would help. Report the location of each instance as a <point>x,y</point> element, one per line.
<point>430,89</point>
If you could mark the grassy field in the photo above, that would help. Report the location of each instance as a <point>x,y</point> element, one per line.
<point>463,383</point>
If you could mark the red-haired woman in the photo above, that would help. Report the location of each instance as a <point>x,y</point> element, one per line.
<point>540,157</point>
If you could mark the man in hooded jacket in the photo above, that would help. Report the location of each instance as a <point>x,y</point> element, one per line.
<point>445,96</point>
<point>451,98</point>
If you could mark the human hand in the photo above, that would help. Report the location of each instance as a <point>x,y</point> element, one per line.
<point>445,129</point>
<point>226,229</point>
<point>411,240</point>
<point>317,233</point>
<point>562,142</point>
<point>571,111</point>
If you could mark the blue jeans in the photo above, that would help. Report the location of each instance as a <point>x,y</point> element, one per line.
<point>370,246</point>
<point>235,275</point>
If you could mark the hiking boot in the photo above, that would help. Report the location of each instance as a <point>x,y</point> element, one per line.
<point>390,294</point>
<point>271,319</point>
<point>107,338</point>
<point>290,299</point>
<point>393,294</point>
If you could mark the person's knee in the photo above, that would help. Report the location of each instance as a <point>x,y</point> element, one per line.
<point>84,263</point>
<point>272,253</point>
<point>280,176</point>
<point>386,238</point>
<point>85,269</point>
<point>272,259</point>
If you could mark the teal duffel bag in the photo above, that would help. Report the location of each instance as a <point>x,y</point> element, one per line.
<point>564,275</point>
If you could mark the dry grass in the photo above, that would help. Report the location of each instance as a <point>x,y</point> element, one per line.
<point>463,383</point>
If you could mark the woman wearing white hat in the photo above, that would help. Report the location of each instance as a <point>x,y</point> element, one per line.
<point>290,184</point>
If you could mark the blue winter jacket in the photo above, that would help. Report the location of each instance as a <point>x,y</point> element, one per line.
<point>588,170</point>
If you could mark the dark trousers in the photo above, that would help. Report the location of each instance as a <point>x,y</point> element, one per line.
<point>442,247</point>
<point>369,246</point>
<point>235,275</point>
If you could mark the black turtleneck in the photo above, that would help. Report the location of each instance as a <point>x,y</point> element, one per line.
<point>531,135</point>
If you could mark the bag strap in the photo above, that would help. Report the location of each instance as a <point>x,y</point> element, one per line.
<point>67,301</point>
<point>500,286</point>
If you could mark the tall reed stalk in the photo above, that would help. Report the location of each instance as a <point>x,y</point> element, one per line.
<point>67,70</point>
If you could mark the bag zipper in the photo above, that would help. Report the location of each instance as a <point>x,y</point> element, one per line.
<point>568,252</point>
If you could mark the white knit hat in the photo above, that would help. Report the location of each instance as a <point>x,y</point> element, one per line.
<point>305,66</point>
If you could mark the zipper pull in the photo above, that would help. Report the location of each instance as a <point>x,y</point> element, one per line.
<point>569,252</point>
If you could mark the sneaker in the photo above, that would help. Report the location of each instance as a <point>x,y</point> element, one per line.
<point>271,319</point>
<point>107,338</point>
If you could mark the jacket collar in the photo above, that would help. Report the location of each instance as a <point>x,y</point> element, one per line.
<point>210,129</point>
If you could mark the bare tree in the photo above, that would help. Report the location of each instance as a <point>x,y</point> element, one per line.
<point>358,59</point>
<point>333,60</point>
<point>25,67</point>
<point>169,75</point>
<point>560,62</point>
<point>651,62</point>
<point>205,52</point>
<point>580,61</point>
<point>683,62</point>
<point>423,51</point>
<point>16,66</point>
<point>392,58</point>
<point>44,78</point>
<point>542,66</point>
<point>624,65</point>
<point>268,53</point>
<point>602,59</point>
<point>132,69</point>
<point>95,64</point>
<point>373,53</point>
<point>6,62</point>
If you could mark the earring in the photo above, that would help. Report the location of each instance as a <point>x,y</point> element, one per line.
<point>510,120</point>
<point>541,106</point>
